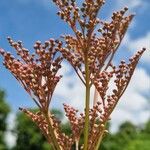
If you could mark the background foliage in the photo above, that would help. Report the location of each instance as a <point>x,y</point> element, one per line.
<point>4,110</point>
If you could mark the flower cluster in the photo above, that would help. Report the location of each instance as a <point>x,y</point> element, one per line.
<point>77,123</point>
<point>40,120</point>
<point>36,72</point>
<point>99,46</point>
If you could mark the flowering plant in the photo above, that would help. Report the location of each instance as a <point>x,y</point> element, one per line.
<point>90,51</point>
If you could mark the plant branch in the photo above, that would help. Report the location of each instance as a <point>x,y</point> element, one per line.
<point>79,76</point>
<point>99,140</point>
<point>87,103</point>
<point>51,131</point>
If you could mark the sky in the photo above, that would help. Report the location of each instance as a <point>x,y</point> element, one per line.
<point>32,20</point>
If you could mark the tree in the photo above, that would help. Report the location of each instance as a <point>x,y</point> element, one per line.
<point>147,127</point>
<point>129,137</point>
<point>126,133</point>
<point>4,111</point>
<point>142,139</point>
<point>128,129</point>
<point>119,140</point>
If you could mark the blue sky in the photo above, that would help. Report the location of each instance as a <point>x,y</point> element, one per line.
<point>31,20</point>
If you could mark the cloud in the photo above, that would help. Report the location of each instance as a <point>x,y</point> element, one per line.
<point>135,6</point>
<point>9,137</point>
<point>70,89</point>
<point>133,105</point>
<point>139,43</point>
<point>131,4</point>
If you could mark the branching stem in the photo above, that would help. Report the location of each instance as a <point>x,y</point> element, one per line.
<point>51,132</point>
<point>99,140</point>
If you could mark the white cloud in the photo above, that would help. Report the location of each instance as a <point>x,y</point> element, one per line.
<point>130,3</point>
<point>9,137</point>
<point>140,81</point>
<point>120,115</point>
<point>139,43</point>
<point>133,105</point>
<point>71,88</point>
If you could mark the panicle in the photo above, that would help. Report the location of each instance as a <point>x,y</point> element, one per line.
<point>98,41</point>
<point>39,119</point>
<point>99,45</point>
<point>38,72</point>
<point>76,122</point>
<point>97,121</point>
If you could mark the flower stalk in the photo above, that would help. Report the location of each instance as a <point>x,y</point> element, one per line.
<point>52,133</point>
<point>87,103</point>
<point>99,140</point>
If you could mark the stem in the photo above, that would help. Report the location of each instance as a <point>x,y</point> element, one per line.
<point>77,144</point>
<point>87,103</point>
<point>96,94</point>
<point>99,140</point>
<point>79,76</point>
<point>51,132</point>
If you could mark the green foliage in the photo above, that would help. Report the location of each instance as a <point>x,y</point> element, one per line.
<point>127,132</point>
<point>58,114</point>
<point>4,111</point>
<point>128,137</point>
<point>66,128</point>
<point>147,128</point>
<point>139,145</point>
<point>142,140</point>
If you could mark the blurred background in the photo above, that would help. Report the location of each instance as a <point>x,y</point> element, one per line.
<point>32,20</point>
